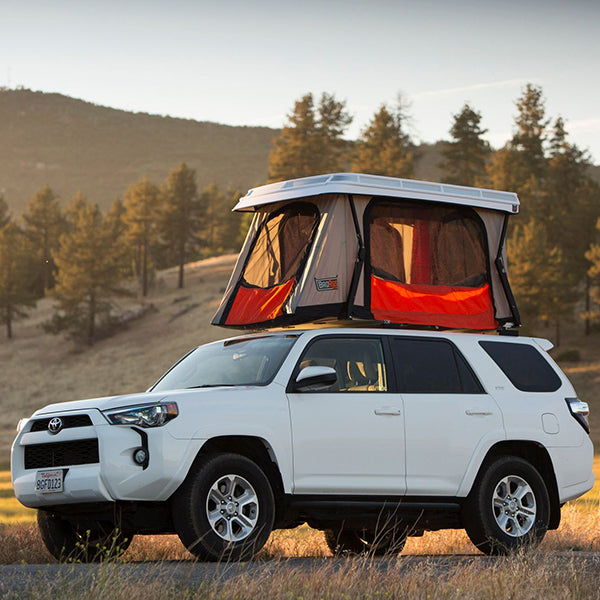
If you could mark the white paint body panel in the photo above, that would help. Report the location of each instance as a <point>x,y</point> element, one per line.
<point>427,445</point>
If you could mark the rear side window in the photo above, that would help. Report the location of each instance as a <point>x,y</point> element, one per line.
<point>524,365</point>
<point>426,366</point>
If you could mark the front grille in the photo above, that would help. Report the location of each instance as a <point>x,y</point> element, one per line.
<point>61,454</point>
<point>68,421</point>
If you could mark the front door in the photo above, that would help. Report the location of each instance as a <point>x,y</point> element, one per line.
<point>348,438</point>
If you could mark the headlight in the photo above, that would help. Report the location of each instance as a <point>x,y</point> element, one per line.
<point>21,424</point>
<point>153,415</point>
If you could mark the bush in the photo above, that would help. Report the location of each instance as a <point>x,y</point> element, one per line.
<point>568,355</point>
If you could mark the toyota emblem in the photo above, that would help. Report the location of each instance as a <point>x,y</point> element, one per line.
<point>55,425</point>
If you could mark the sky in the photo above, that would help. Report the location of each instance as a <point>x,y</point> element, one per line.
<point>245,63</point>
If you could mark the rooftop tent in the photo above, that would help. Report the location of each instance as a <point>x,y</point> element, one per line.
<point>353,246</point>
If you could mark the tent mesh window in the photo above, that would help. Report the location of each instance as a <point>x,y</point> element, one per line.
<point>429,265</point>
<point>434,245</point>
<point>281,244</point>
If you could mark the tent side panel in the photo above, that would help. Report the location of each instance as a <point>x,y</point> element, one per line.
<point>326,278</point>
<point>257,221</point>
<point>494,222</point>
<point>256,305</point>
<point>444,306</point>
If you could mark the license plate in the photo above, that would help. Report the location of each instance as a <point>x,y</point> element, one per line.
<point>49,482</point>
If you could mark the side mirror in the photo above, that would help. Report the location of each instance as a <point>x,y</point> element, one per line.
<point>314,379</point>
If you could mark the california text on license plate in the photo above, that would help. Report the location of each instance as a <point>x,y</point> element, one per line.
<point>48,482</point>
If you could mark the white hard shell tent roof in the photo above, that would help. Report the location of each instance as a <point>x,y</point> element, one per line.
<point>350,246</point>
<point>376,185</point>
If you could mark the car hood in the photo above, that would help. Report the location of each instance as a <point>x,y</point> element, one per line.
<point>125,400</point>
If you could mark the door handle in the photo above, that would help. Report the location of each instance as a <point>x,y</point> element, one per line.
<point>478,412</point>
<point>388,410</point>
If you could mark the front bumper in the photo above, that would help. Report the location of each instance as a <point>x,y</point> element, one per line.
<point>115,476</point>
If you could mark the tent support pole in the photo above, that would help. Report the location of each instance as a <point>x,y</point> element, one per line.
<point>358,265</point>
<point>504,279</point>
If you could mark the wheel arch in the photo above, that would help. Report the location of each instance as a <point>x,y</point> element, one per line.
<point>258,450</point>
<point>537,455</point>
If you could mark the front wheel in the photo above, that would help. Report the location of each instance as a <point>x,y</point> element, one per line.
<point>508,508</point>
<point>67,541</point>
<point>225,509</point>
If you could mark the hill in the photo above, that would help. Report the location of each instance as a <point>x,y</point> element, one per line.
<point>38,369</point>
<point>75,145</point>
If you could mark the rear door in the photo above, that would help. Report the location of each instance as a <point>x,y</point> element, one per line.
<point>448,414</point>
<point>349,438</point>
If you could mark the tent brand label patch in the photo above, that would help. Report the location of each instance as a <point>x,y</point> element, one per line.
<point>327,284</point>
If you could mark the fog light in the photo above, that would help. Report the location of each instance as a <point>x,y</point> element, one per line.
<point>140,456</point>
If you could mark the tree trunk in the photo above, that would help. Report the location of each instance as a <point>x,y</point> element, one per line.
<point>145,269</point>
<point>9,322</point>
<point>557,332</point>
<point>181,263</point>
<point>91,320</point>
<point>587,305</point>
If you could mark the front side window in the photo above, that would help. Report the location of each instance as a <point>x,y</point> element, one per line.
<point>242,361</point>
<point>281,244</point>
<point>358,363</point>
<point>427,366</point>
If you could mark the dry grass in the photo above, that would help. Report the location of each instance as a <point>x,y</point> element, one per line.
<point>525,576</point>
<point>38,369</point>
<point>578,531</point>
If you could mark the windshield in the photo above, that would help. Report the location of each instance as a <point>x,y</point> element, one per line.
<point>242,361</point>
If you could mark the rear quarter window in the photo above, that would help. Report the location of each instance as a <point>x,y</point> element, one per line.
<point>524,366</point>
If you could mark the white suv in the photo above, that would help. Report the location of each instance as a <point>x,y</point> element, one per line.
<point>369,434</point>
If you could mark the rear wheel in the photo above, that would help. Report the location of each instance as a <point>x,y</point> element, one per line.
<point>350,541</point>
<point>67,541</point>
<point>508,508</point>
<point>225,509</point>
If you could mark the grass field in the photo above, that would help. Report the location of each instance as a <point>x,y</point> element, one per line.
<point>579,530</point>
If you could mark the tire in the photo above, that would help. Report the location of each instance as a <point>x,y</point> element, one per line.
<point>349,541</point>
<point>69,543</point>
<point>211,519</point>
<point>508,508</point>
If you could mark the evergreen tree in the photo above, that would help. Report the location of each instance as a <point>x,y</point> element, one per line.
<point>311,142</point>
<point>181,216</point>
<point>140,217</point>
<point>222,224</point>
<point>43,225</point>
<point>4,212</point>
<point>521,165</point>
<point>466,155</point>
<point>383,148</point>
<point>115,218</point>
<point>16,272</point>
<point>537,271</point>
<point>91,263</point>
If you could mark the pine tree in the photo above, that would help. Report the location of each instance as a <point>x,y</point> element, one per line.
<point>181,216</point>
<point>311,142</point>
<point>383,148</point>
<point>43,225</point>
<point>537,271</point>
<point>16,272</point>
<point>141,216</point>
<point>466,155</point>
<point>91,264</point>
<point>521,166</point>
<point>4,212</point>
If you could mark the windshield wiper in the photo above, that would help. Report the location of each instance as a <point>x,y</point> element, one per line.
<point>210,385</point>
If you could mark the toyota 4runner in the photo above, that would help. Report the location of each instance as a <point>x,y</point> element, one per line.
<point>370,435</point>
